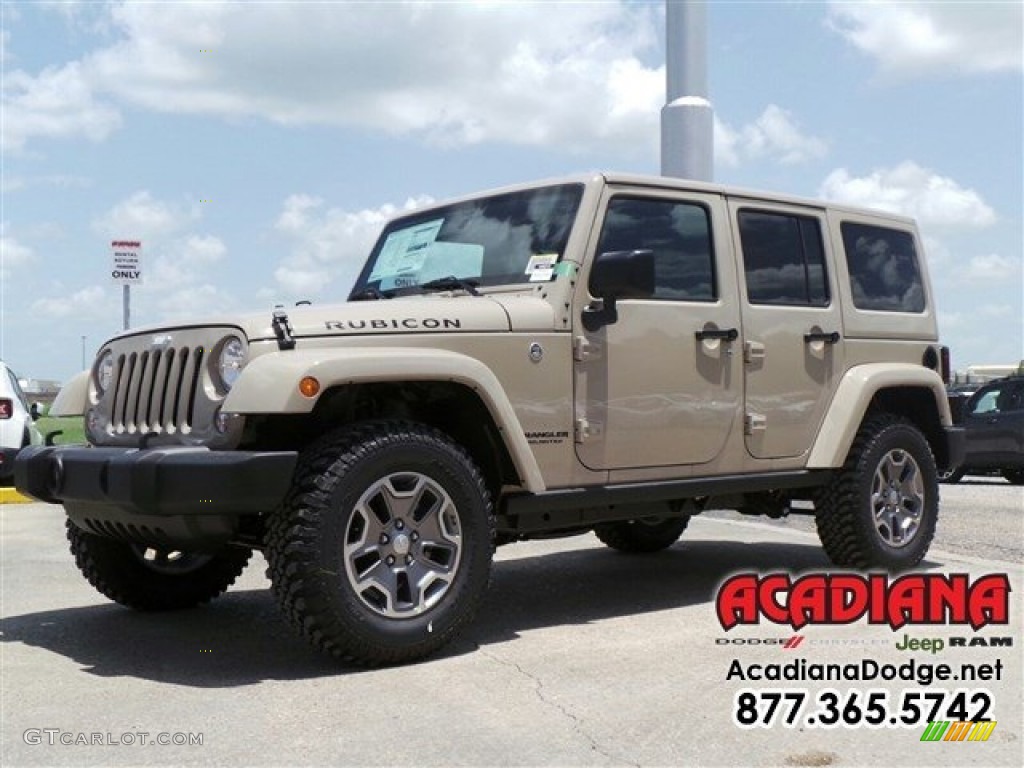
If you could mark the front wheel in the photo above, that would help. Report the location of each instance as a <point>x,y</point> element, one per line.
<point>151,578</point>
<point>382,550</point>
<point>880,510</point>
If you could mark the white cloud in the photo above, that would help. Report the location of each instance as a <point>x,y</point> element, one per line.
<point>88,302</point>
<point>774,134</point>
<point>185,262</point>
<point>564,74</point>
<point>328,246</point>
<point>992,268</point>
<point>193,302</point>
<point>935,201</point>
<point>58,104</point>
<point>12,254</point>
<point>915,38</point>
<point>141,216</point>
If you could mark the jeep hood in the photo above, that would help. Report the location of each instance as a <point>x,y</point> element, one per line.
<point>412,314</point>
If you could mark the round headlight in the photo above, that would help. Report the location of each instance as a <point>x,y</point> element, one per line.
<point>104,372</point>
<point>231,360</point>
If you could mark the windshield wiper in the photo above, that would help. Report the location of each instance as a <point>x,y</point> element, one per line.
<point>451,283</point>
<point>369,293</point>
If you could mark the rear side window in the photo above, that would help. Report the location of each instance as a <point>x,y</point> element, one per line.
<point>783,259</point>
<point>678,233</point>
<point>884,271</point>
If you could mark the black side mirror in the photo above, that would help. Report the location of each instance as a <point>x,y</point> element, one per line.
<point>35,411</point>
<point>618,275</point>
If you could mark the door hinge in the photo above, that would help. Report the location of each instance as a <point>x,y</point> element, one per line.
<point>755,422</point>
<point>583,349</point>
<point>753,352</point>
<point>587,431</point>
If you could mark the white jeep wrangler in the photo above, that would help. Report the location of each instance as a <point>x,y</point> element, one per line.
<point>610,353</point>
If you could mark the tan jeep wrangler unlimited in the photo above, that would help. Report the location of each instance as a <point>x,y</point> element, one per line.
<point>610,353</point>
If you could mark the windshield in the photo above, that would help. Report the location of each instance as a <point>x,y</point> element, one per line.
<point>510,238</point>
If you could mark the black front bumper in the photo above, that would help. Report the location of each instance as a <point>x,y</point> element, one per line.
<point>183,496</point>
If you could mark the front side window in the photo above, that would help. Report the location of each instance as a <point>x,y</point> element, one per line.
<point>1000,399</point>
<point>884,271</point>
<point>515,237</point>
<point>783,259</point>
<point>678,233</point>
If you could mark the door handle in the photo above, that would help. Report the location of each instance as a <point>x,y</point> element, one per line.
<point>828,338</point>
<point>725,334</point>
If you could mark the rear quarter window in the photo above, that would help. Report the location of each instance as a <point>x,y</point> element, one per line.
<point>885,274</point>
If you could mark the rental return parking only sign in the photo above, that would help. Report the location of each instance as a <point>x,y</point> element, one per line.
<point>126,270</point>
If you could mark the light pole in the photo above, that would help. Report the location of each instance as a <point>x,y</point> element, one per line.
<point>687,119</point>
<point>83,353</point>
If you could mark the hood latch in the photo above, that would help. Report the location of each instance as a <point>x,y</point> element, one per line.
<point>283,330</point>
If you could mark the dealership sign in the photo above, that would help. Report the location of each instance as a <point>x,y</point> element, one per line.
<point>126,267</point>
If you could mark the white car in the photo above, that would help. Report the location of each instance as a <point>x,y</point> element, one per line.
<point>17,424</point>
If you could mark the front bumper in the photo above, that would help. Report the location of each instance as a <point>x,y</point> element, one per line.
<point>183,496</point>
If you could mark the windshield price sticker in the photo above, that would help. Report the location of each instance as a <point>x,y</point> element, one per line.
<point>405,250</point>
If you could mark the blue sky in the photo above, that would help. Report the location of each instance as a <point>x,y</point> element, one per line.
<point>256,149</point>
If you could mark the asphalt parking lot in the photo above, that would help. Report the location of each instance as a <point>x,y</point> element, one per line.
<point>581,656</point>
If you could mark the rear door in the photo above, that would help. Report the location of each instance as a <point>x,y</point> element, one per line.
<point>793,349</point>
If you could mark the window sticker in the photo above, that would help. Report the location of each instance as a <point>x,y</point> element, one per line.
<point>541,267</point>
<point>405,250</point>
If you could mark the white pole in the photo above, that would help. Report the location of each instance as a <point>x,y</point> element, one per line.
<point>126,296</point>
<point>687,119</point>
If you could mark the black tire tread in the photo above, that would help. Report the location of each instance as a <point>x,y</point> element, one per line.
<point>294,529</point>
<point>1014,476</point>
<point>639,538</point>
<point>116,572</point>
<point>847,542</point>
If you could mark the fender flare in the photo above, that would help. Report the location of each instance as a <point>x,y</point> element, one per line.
<point>852,398</point>
<point>73,397</point>
<point>270,384</point>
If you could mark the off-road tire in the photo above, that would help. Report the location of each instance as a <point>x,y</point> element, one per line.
<point>165,582</point>
<point>1015,476</point>
<point>642,536</point>
<point>846,518</point>
<point>325,576</point>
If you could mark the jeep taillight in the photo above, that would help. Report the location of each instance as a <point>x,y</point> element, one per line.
<point>6,408</point>
<point>937,359</point>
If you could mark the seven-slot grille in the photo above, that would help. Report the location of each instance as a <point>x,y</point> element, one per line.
<point>155,390</point>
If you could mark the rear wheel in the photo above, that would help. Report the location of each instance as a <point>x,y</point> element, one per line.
<point>382,550</point>
<point>153,579</point>
<point>642,535</point>
<point>1015,476</point>
<point>951,476</point>
<point>881,508</point>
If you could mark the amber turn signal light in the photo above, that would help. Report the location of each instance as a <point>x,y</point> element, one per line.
<point>309,386</point>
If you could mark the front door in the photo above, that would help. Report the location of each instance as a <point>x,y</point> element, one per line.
<point>661,385</point>
<point>793,346</point>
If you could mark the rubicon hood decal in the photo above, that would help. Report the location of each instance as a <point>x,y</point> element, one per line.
<point>405,323</point>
